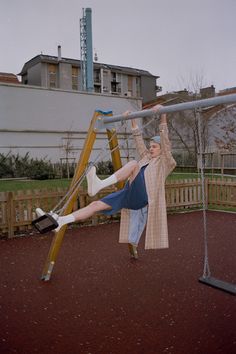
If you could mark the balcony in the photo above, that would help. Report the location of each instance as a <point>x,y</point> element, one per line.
<point>114,81</point>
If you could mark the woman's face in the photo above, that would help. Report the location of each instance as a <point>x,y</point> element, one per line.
<point>154,149</point>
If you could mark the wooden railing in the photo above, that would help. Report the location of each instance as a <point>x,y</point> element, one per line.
<point>17,209</point>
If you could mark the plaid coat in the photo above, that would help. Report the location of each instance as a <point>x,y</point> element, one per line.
<point>155,175</point>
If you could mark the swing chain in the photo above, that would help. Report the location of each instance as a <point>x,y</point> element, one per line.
<point>71,192</point>
<point>206,269</point>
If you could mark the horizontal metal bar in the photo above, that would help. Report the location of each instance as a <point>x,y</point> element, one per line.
<point>208,102</point>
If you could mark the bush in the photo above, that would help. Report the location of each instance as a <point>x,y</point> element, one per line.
<point>185,159</point>
<point>5,167</point>
<point>40,169</point>
<point>105,168</point>
<point>13,166</point>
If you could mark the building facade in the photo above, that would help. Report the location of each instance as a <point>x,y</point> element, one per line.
<point>56,72</point>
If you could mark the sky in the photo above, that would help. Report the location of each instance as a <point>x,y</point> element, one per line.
<point>188,43</point>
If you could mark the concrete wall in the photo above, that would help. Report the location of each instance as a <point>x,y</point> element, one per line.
<point>44,75</point>
<point>65,76</point>
<point>34,75</point>
<point>148,88</point>
<point>54,123</point>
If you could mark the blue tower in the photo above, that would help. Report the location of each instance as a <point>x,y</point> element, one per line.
<point>86,51</point>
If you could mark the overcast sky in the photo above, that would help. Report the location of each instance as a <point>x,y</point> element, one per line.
<point>182,41</point>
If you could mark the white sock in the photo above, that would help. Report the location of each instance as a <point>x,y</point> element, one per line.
<point>95,184</point>
<point>109,181</point>
<point>39,212</point>
<point>63,220</point>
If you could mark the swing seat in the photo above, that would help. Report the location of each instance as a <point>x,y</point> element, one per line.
<point>218,284</point>
<point>45,223</point>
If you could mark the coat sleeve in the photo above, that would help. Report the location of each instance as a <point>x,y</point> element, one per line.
<point>139,142</point>
<point>168,160</point>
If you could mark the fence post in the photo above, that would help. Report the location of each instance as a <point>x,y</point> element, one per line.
<point>10,214</point>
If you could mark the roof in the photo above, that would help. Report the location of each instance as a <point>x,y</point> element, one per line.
<point>9,78</point>
<point>41,58</point>
<point>167,99</point>
<point>183,96</point>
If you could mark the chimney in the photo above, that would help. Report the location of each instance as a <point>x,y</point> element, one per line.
<point>59,52</point>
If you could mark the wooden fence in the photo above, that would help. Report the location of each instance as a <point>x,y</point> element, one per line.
<point>17,209</point>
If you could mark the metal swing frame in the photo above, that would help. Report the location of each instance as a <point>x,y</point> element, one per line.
<point>105,120</point>
<point>80,168</point>
<point>197,105</point>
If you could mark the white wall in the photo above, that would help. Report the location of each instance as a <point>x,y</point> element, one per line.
<point>40,121</point>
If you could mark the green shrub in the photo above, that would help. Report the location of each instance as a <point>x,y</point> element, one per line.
<point>13,166</point>
<point>40,169</point>
<point>5,167</point>
<point>105,168</point>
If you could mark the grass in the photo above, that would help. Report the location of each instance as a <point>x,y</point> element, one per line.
<point>221,208</point>
<point>180,175</point>
<point>14,185</point>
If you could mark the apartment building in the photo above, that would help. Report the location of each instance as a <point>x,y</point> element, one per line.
<point>56,72</point>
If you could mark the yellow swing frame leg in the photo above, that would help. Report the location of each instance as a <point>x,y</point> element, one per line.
<point>82,164</point>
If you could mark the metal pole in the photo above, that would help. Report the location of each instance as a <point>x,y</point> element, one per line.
<point>214,101</point>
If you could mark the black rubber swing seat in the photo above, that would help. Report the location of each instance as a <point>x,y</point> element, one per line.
<point>45,223</point>
<point>218,284</point>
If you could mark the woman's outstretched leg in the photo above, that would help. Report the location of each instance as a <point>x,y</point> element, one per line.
<point>129,170</point>
<point>82,214</point>
<point>95,184</point>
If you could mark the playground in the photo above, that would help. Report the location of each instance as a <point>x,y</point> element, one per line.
<point>99,301</point>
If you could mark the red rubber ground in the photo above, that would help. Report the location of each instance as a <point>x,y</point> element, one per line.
<point>100,301</point>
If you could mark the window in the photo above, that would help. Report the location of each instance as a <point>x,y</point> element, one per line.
<point>115,83</point>
<point>97,76</point>
<point>138,84</point>
<point>75,79</point>
<point>113,77</point>
<point>97,89</point>
<point>130,85</point>
<point>52,73</point>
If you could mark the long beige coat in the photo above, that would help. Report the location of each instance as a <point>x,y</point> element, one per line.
<point>155,175</point>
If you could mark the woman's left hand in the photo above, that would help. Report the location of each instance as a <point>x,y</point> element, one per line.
<point>134,124</point>
<point>157,108</point>
<point>163,115</point>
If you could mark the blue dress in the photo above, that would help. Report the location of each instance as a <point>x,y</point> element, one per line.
<point>132,196</point>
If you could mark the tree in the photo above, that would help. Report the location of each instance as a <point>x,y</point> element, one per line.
<point>183,125</point>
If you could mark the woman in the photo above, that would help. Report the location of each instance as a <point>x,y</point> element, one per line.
<point>145,187</point>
